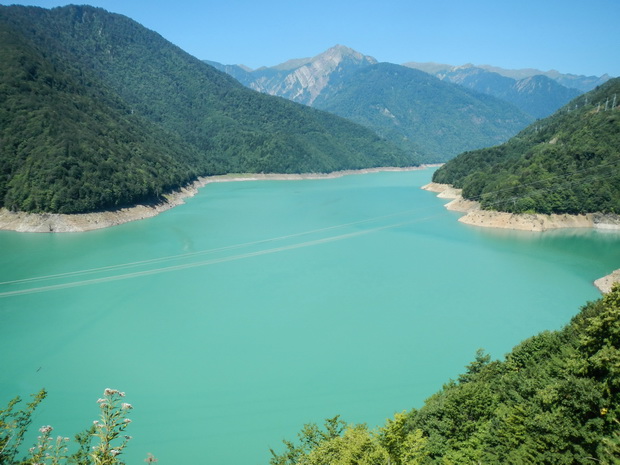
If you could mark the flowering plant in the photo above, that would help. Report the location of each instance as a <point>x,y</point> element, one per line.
<point>111,427</point>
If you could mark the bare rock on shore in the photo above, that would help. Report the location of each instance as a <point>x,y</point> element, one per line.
<point>57,222</point>
<point>53,222</point>
<point>460,204</point>
<point>475,216</point>
<point>444,191</point>
<point>522,221</point>
<point>605,283</point>
<point>525,222</point>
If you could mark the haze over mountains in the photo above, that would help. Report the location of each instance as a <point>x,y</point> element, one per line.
<point>572,81</point>
<point>410,108</point>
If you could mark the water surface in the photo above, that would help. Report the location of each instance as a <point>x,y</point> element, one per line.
<point>260,306</point>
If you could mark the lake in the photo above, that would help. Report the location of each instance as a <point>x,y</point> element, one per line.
<point>259,306</point>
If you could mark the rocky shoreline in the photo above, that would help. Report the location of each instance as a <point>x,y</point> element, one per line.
<point>61,223</point>
<point>475,216</point>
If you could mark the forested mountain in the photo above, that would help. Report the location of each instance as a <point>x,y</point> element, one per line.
<point>537,95</point>
<point>416,111</point>
<point>567,163</point>
<point>68,144</point>
<point>98,112</point>
<point>552,401</point>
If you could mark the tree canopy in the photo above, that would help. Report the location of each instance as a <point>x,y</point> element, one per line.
<point>567,163</point>
<point>98,112</point>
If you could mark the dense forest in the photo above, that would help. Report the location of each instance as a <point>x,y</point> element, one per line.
<point>99,112</point>
<point>419,112</point>
<point>554,400</point>
<point>566,163</point>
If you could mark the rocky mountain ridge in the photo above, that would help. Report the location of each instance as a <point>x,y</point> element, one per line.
<point>412,109</point>
<point>572,81</point>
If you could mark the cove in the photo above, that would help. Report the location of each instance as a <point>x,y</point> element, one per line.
<point>257,307</point>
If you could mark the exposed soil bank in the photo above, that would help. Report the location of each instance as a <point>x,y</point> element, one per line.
<point>605,283</point>
<point>55,222</point>
<point>475,216</point>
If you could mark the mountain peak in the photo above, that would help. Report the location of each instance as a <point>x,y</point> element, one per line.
<point>341,52</point>
<point>337,55</point>
<point>303,79</point>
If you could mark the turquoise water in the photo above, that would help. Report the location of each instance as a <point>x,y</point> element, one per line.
<point>256,307</point>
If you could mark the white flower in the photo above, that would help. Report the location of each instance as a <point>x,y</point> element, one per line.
<point>126,406</point>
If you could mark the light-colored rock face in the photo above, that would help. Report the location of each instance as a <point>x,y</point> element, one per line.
<point>606,283</point>
<point>305,83</point>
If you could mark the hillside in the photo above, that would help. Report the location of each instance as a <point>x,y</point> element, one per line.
<point>415,109</point>
<point>537,94</point>
<point>567,163</point>
<point>419,113</point>
<point>553,400</point>
<point>98,112</point>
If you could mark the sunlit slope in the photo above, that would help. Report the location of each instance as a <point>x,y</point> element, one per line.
<point>567,163</point>
<point>131,115</point>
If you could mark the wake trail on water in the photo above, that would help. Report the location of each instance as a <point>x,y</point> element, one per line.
<point>183,266</point>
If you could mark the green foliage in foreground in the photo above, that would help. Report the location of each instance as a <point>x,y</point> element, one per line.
<point>107,434</point>
<point>553,400</point>
<point>567,163</point>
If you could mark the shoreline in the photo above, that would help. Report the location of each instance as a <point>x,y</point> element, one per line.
<point>537,222</point>
<point>82,222</point>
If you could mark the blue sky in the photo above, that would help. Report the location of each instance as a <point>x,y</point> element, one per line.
<point>571,36</point>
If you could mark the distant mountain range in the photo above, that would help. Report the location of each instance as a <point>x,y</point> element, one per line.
<point>485,105</point>
<point>572,81</point>
<point>98,112</point>
<point>536,92</point>
<point>418,112</point>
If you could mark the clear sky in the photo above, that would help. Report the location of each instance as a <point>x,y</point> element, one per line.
<point>571,36</point>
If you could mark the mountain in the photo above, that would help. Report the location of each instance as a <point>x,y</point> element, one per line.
<point>566,163</point>
<point>417,112</point>
<point>98,112</point>
<point>535,94</point>
<point>415,109</point>
<point>303,80</point>
<point>572,81</point>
